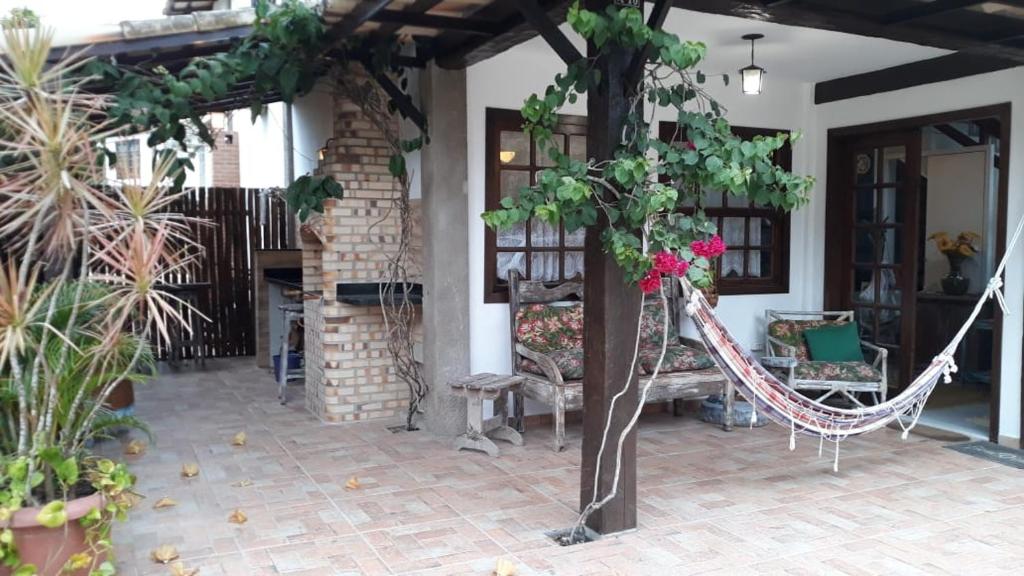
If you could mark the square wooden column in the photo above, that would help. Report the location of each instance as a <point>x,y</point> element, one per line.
<point>610,319</point>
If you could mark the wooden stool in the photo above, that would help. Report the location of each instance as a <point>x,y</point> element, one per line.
<point>476,389</point>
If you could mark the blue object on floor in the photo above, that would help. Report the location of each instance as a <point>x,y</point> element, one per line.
<point>294,361</point>
<point>712,411</point>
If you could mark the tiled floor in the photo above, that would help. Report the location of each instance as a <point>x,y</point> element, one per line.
<point>709,501</point>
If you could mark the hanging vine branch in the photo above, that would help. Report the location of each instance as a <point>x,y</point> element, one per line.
<point>647,191</point>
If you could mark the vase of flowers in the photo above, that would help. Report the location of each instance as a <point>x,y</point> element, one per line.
<point>956,251</point>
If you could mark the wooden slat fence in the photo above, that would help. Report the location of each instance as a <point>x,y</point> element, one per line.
<point>241,221</point>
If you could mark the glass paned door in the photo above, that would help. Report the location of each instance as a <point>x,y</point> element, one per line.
<point>880,264</point>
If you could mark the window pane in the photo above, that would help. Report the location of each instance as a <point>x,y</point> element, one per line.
<point>895,161</point>
<point>759,263</point>
<point>543,234</point>
<point>514,148</point>
<point>578,148</point>
<point>543,154</point>
<point>732,264</point>
<point>863,285</point>
<point>864,168</point>
<point>544,266</point>
<point>892,208</point>
<point>575,239</point>
<point>734,231</point>
<point>890,248</point>
<point>573,264</point>
<point>864,245</point>
<point>888,326</point>
<point>512,181</point>
<point>512,236</point>
<point>760,232</point>
<point>865,206</point>
<point>737,201</point>
<point>713,199</point>
<point>507,261</point>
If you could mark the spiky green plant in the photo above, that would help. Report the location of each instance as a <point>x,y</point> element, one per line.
<point>81,270</point>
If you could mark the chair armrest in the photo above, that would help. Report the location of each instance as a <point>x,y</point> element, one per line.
<point>880,353</point>
<point>779,362</point>
<point>546,364</point>
<point>790,351</point>
<point>693,343</point>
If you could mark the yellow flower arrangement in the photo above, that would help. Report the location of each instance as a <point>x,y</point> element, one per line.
<point>965,244</point>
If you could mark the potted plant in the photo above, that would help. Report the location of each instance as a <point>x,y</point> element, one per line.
<point>81,265</point>
<point>956,251</point>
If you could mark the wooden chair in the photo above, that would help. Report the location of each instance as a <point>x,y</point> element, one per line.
<point>787,351</point>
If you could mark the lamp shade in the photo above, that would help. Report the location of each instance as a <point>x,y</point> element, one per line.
<point>752,78</point>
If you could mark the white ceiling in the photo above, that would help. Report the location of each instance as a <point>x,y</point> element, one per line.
<point>790,52</point>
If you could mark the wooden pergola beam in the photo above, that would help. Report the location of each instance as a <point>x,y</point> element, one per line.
<point>827,18</point>
<point>925,9</point>
<point>362,13</point>
<point>400,99</point>
<point>435,22</point>
<point>538,18</point>
<point>655,21</point>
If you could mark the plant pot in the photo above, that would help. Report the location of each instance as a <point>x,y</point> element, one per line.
<point>49,548</point>
<point>122,397</point>
<point>955,284</point>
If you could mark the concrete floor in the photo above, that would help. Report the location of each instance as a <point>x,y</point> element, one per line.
<point>710,502</point>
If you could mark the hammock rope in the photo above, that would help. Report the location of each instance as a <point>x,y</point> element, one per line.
<point>770,396</point>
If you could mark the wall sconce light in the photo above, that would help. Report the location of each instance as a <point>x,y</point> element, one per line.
<point>506,156</point>
<point>752,77</point>
<point>321,154</point>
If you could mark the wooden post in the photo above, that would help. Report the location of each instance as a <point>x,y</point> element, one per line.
<point>610,319</point>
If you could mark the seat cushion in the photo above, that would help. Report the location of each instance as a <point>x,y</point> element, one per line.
<point>652,324</point>
<point>834,343</point>
<point>568,361</point>
<point>837,371</point>
<point>549,327</point>
<point>678,358</point>
<point>791,332</point>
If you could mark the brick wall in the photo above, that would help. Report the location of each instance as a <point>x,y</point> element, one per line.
<point>225,161</point>
<point>350,376</point>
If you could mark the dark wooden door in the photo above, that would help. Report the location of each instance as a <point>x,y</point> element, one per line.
<point>873,212</point>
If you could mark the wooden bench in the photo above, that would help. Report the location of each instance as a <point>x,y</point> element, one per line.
<point>475,389</point>
<point>566,395</point>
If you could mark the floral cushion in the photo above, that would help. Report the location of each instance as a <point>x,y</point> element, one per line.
<point>652,325</point>
<point>791,332</point>
<point>549,327</point>
<point>678,358</point>
<point>569,363</point>
<point>837,371</point>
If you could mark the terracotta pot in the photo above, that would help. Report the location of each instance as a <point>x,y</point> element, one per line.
<point>50,548</point>
<point>122,396</point>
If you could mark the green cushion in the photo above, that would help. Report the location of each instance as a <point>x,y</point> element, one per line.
<point>835,343</point>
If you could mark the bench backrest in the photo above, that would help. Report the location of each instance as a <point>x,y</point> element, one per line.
<point>523,293</point>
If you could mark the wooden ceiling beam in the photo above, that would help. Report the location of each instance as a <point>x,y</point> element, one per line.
<point>827,18</point>
<point>435,22</point>
<point>925,9</point>
<point>362,13</point>
<point>548,29</point>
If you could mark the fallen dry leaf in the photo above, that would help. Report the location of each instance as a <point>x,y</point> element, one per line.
<point>164,502</point>
<point>164,554</point>
<point>239,439</point>
<point>505,568</point>
<point>189,470</point>
<point>178,569</point>
<point>134,448</point>
<point>238,517</point>
<point>353,484</point>
<point>242,483</point>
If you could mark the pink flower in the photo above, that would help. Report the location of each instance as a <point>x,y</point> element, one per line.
<point>665,262</point>
<point>681,267</point>
<point>689,145</point>
<point>710,249</point>
<point>650,283</point>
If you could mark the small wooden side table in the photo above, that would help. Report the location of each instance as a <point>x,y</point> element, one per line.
<point>479,432</point>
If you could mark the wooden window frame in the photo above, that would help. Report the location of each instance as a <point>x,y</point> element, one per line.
<point>497,121</point>
<point>778,281</point>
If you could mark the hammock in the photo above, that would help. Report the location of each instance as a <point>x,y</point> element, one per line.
<point>783,405</point>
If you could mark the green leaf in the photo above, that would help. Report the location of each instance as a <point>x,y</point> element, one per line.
<point>53,515</point>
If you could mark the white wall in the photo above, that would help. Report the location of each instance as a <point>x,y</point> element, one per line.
<point>974,91</point>
<point>312,125</point>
